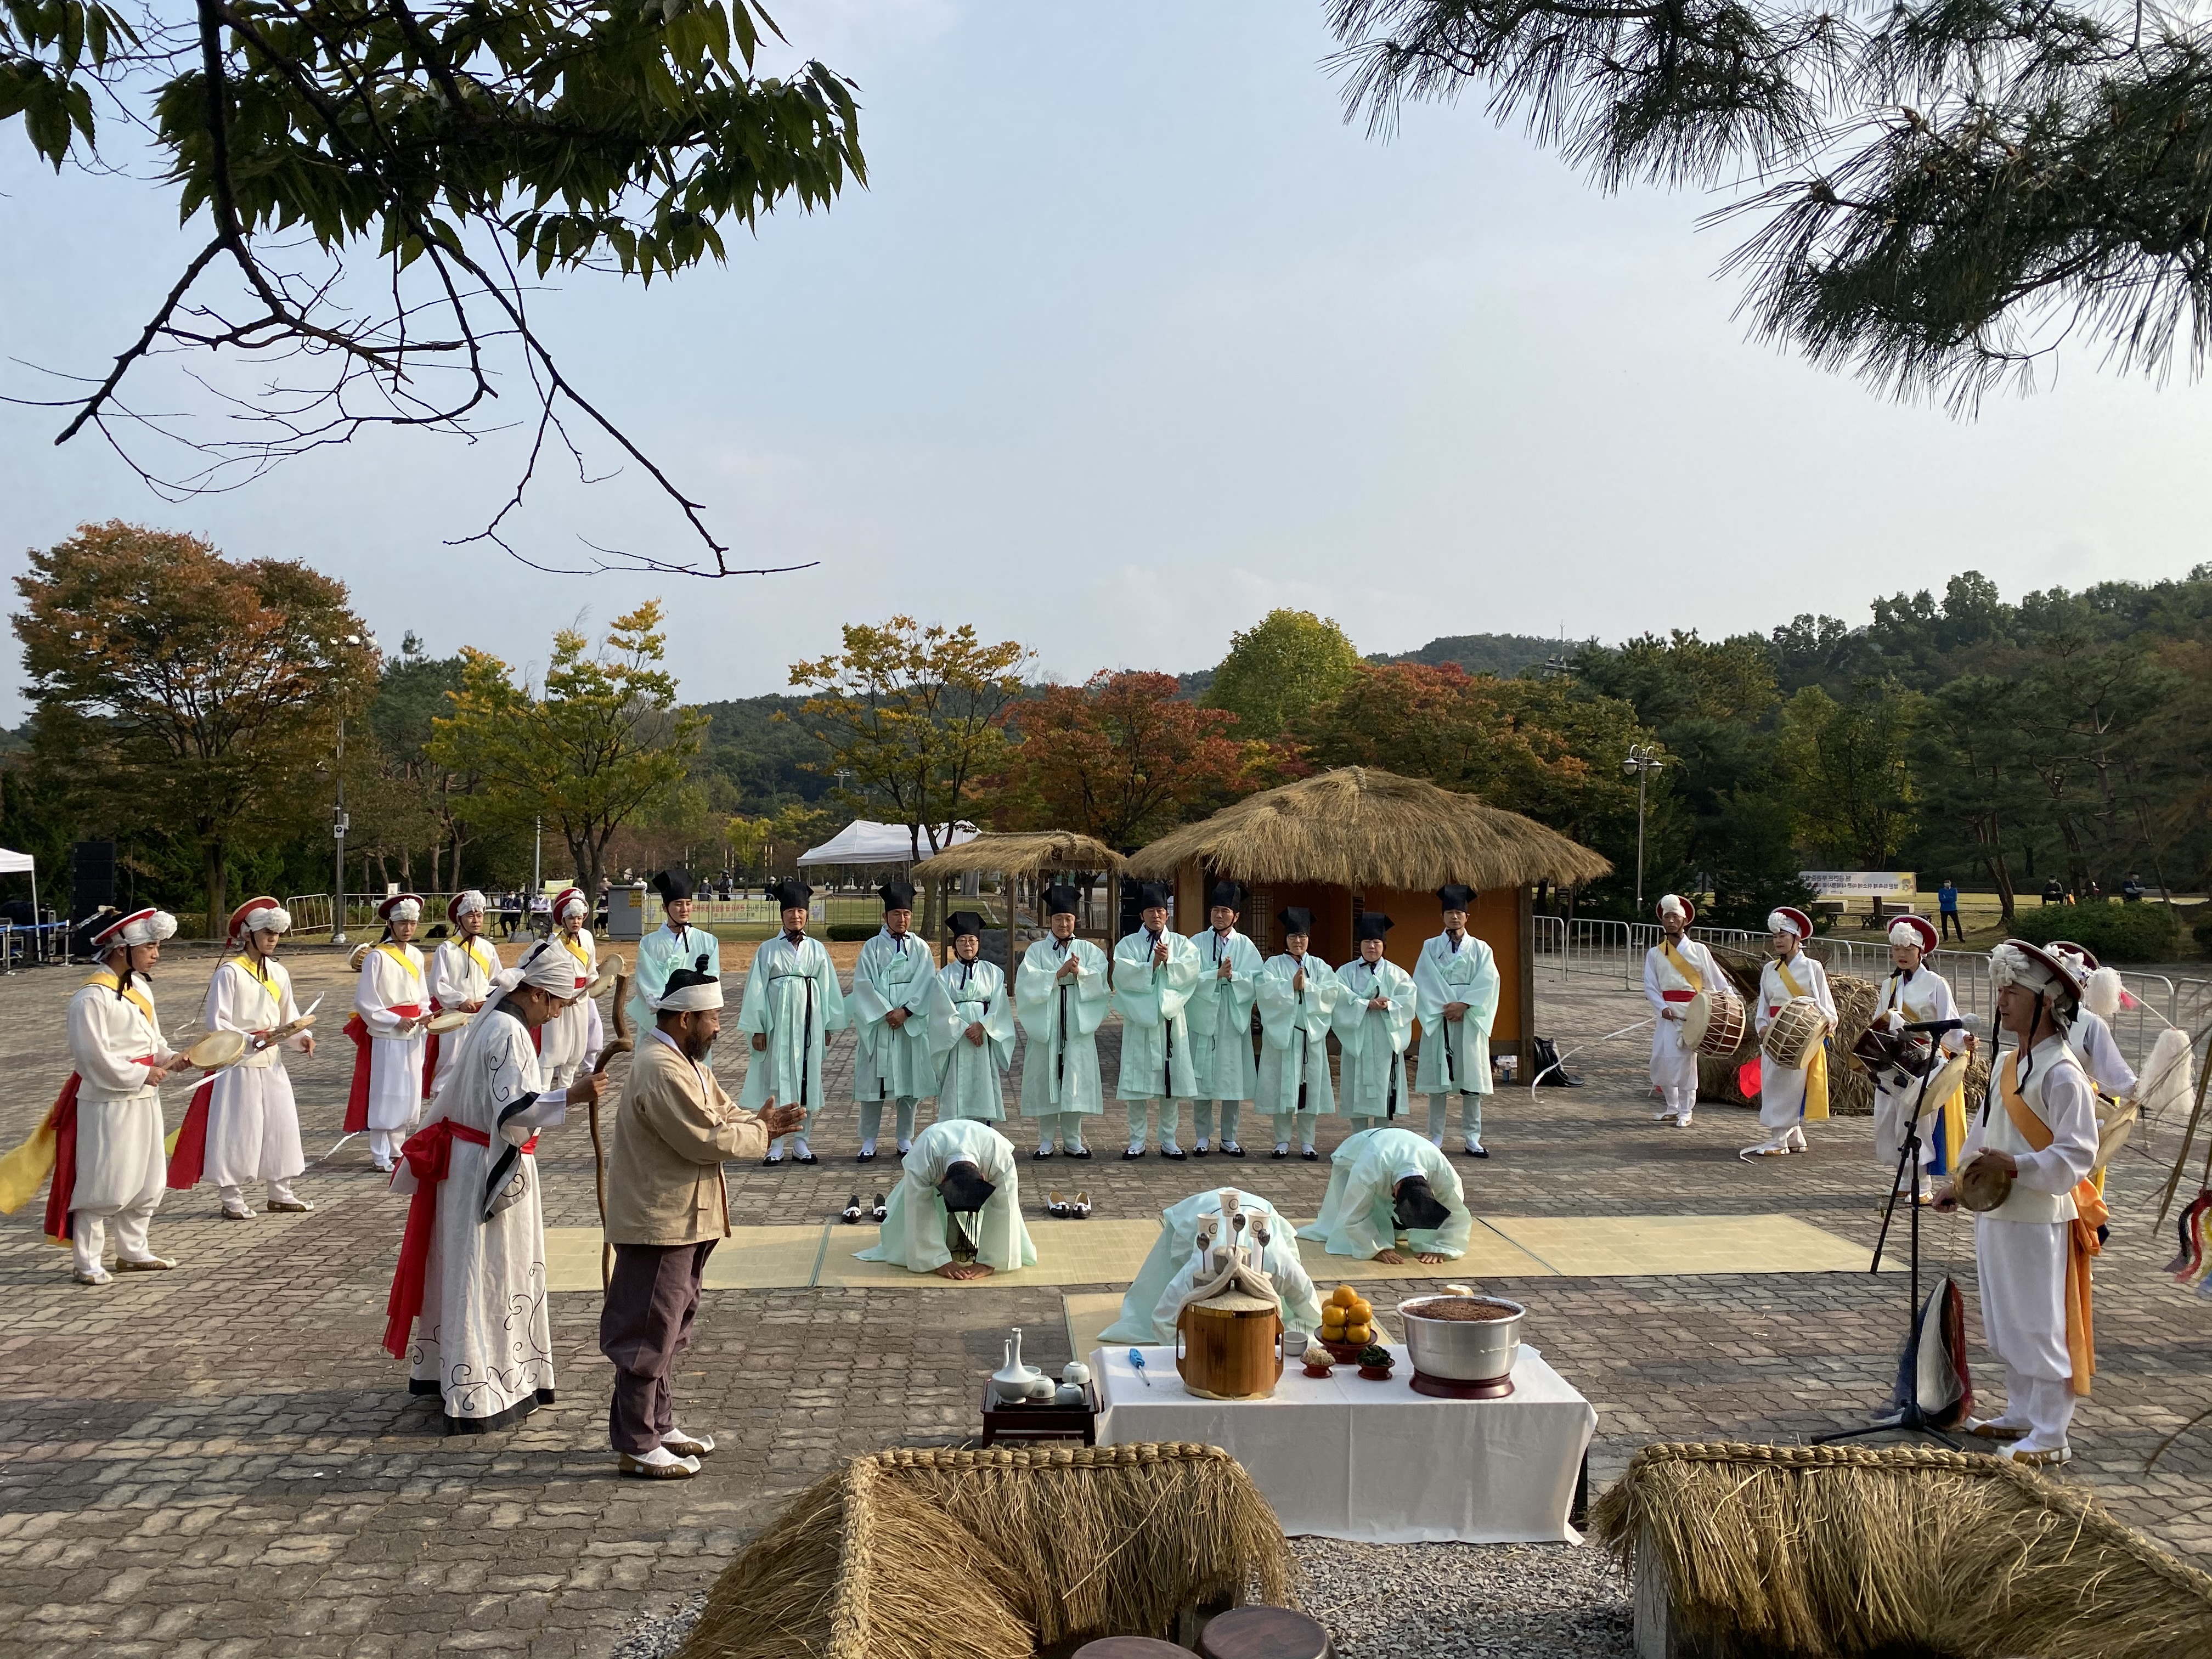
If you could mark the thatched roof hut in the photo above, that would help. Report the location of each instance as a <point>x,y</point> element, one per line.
<point>1357,840</point>
<point>1031,856</point>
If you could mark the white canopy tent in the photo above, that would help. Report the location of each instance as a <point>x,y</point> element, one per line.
<point>866,841</point>
<point>23,864</point>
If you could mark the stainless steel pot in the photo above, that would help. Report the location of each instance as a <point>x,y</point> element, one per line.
<point>1463,1350</point>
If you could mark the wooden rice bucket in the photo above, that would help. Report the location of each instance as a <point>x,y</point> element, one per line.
<point>1229,1348</point>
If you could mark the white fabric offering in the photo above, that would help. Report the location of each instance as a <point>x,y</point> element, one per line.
<point>1375,1462</point>
<point>914,1221</point>
<point>1060,1019</point>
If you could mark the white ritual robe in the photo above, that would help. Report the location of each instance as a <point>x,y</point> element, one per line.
<point>914,1220</point>
<point>570,1039</point>
<point>1374,1041</point>
<point>971,1078</point>
<point>1358,1214</point>
<point>1150,997</point>
<point>901,1064</point>
<point>1060,1021</point>
<point>659,954</point>
<point>483,1341</point>
<point>1219,1015</point>
<point>1674,1062</point>
<point>1918,999</point>
<point>1455,1054</point>
<point>793,998</point>
<point>2021,1246</point>
<point>392,980</point>
<point>460,972</point>
<point>1294,1035</point>
<point>1148,1311</point>
<point>116,1048</point>
<point>252,1119</point>
<point>1782,1088</point>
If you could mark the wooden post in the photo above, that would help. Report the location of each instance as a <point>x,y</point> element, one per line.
<point>1527,975</point>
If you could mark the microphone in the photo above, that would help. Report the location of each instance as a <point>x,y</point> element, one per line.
<point>1935,1025</point>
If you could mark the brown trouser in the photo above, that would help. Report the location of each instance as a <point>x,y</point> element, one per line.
<point>646,1322</point>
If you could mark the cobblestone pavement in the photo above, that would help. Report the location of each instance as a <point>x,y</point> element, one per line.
<point>221,1461</point>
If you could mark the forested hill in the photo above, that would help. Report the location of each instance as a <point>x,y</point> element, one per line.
<point>1503,654</point>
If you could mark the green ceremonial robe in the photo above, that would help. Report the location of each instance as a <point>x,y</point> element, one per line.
<point>1219,1016</point>
<point>1374,1041</point>
<point>1294,1032</point>
<point>971,1077</point>
<point>896,1064</point>
<point>1150,998</point>
<point>1468,974</point>
<point>1060,1021</point>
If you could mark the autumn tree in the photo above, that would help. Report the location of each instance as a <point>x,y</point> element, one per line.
<point>189,697</point>
<point>1121,757</point>
<point>601,742</point>
<point>909,717</point>
<point>1280,666</point>
<point>1845,767</point>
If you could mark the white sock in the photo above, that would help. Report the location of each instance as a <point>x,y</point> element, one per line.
<point>1282,1145</point>
<point>867,1148</point>
<point>800,1149</point>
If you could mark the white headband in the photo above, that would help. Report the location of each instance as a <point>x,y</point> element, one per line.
<point>1778,923</point>
<point>691,999</point>
<point>406,910</point>
<point>145,930</point>
<point>272,919</point>
<point>468,902</point>
<point>1672,905</point>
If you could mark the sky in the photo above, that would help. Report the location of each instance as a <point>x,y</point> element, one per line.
<point>1130,339</point>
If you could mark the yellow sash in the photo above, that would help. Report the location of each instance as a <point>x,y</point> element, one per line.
<point>1675,961</point>
<point>575,950</point>
<point>399,954</point>
<point>2089,1214</point>
<point>1816,1069</point>
<point>469,950</point>
<point>108,981</point>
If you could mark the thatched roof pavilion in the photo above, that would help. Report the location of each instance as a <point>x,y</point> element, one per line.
<point>1034,855</point>
<point>1357,840</point>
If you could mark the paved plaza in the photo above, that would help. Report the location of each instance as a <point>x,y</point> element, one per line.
<point>221,1461</point>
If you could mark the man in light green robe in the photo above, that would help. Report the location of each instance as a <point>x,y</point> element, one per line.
<point>972,1069</point>
<point>1154,970</point>
<point>900,1019</point>
<point>675,944</point>
<point>792,1002</point>
<point>1455,986</point>
<point>1374,1021</point>
<point>1219,1016</point>
<point>1297,995</point>
<point>959,1196</point>
<point>1060,997</point>
<point>1389,1183</point>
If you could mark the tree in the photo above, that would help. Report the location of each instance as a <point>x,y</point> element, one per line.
<point>189,697</point>
<point>602,742</point>
<point>1278,668</point>
<point>1940,193</point>
<point>1121,757</point>
<point>909,716</point>
<point>1973,777</point>
<point>1844,767</point>
<point>378,187</point>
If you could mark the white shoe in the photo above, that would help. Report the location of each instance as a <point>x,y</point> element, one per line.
<point>2035,1456</point>
<point>904,1147</point>
<point>1765,1149</point>
<point>382,1168</point>
<point>693,1446</point>
<point>658,1464</point>
<point>97,1276</point>
<point>1670,1116</point>
<point>1683,1121</point>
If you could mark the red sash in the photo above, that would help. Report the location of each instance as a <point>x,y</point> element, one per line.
<point>429,1154</point>
<point>357,1117</point>
<point>1678,995</point>
<point>430,1051</point>
<point>63,1117</point>
<point>189,1162</point>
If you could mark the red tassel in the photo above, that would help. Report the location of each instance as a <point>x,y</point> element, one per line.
<point>357,1117</point>
<point>63,1117</point>
<point>189,1162</point>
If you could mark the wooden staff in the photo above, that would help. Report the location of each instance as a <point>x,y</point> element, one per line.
<point>620,1045</point>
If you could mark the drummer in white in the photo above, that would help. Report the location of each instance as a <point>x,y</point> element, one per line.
<point>1788,1095</point>
<point>1675,971</point>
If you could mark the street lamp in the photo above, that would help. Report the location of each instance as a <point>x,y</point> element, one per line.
<point>1643,760</point>
<point>339,825</point>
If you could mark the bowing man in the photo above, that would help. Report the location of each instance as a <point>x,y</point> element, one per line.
<point>461,970</point>
<point>1387,1182</point>
<point>470,1279</point>
<point>1916,994</point>
<point>1674,971</point>
<point>971,1071</point>
<point>1297,996</point>
<point>899,1018</point>
<point>792,1004</point>
<point>1457,982</point>
<point>1149,1310</point>
<point>391,1007</point>
<point>1154,970</point>
<point>667,1207</point>
<point>675,944</point>
<point>251,1128</point>
<point>1788,1095</point>
<point>1219,1017</point>
<point>574,1037</point>
<point>1060,996</point>
<point>956,1211</point>
<point>1374,1021</point>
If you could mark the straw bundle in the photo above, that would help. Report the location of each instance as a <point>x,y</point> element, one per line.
<point>1028,853</point>
<point>1357,827</point>
<point>939,1555</point>
<point>1830,1552</point>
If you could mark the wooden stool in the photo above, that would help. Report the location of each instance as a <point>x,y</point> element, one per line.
<point>1265,1633</point>
<point>1130,1647</point>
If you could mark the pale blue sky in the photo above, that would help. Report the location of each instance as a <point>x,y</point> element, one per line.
<point>1132,339</point>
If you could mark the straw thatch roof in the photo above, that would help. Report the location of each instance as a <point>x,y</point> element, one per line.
<point>1357,827</point>
<point>1030,853</point>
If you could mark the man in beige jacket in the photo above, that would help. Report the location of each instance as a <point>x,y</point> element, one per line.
<point>666,1206</point>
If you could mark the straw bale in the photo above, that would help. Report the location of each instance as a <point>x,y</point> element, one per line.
<point>940,1554</point>
<point>1835,1551</point>
<point>1357,827</point>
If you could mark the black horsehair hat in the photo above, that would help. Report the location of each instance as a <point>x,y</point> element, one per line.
<point>1416,1207</point>
<point>1227,894</point>
<point>1061,900</point>
<point>672,885</point>
<point>1372,924</point>
<point>965,922</point>
<point>963,1188</point>
<point>1296,919</point>
<point>1454,896</point>
<point>898,894</point>
<point>792,894</point>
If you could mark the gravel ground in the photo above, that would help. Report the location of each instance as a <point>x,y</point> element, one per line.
<point>1404,1601</point>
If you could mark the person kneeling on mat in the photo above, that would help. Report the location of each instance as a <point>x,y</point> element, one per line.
<point>1386,1183</point>
<point>956,1211</point>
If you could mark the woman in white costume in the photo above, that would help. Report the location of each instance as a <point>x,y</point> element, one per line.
<point>971,1071</point>
<point>1374,1023</point>
<point>1789,1094</point>
<point>461,971</point>
<point>252,1126</point>
<point>1060,996</point>
<point>1916,994</point>
<point>573,1038</point>
<point>1219,1016</point>
<point>391,1007</point>
<point>1675,970</point>
<point>1296,997</point>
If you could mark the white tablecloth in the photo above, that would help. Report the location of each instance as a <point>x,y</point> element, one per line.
<point>1374,1462</point>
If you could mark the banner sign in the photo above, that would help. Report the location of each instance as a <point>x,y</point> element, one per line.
<point>1861,884</point>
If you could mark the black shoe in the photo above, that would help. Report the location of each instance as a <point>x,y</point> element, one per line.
<point>809,1158</point>
<point>1081,1152</point>
<point>1199,1151</point>
<point>1309,1154</point>
<point>1280,1151</point>
<point>772,1164</point>
<point>1043,1153</point>
<point>865,1157</point>
<point>1130,1153</point>
<point>852,1211</point>
<point>1230,1149</point>
<point>878,1212</point>
<point>1175,1152</point>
